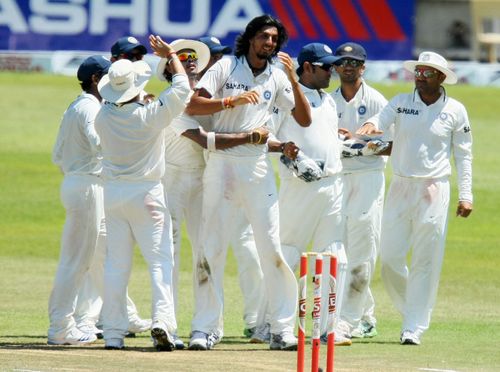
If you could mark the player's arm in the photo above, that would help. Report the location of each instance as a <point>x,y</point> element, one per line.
<point>301,112</point>
<point>289,149</point>
<point>220,141</point>
<point>202,102</point>
<point>462,153</point>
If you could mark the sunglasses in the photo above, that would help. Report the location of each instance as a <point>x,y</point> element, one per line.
<point>183,57</point>
<point>428,74</point>
<point>323,66</point>
<point>349,62</point>
<point>134,56</point>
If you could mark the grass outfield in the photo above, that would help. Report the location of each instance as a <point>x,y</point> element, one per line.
<point>465,329</point>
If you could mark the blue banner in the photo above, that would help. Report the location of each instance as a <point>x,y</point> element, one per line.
<point>383,27</point>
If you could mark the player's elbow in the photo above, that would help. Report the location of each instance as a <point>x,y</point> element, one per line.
<point>303,120</point>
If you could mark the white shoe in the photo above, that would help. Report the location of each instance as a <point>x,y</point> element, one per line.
<point>199,341</point>
<point>262,334</point>
<point>364,330</point>
<point>340,339</point>
<point>138,325</point>
<point>90,328</point>
<point>214,338</point>
<point>179,344</point>
<point>409,338</point>
<point>283,341</point>
<point>73,337</point>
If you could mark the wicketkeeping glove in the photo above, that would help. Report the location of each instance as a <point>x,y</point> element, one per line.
<point>304,167</point>
<point>356,147</point>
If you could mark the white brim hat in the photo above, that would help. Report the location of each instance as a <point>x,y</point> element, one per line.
<point>200,48</point>
<point>124,80</point>
<point>433,60</point>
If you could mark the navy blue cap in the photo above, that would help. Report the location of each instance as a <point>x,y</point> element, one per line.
<point>214,45</point>
<point>126,44</point>
<point>316,52</point>
<point>352,51</point>
<point>93,65</point>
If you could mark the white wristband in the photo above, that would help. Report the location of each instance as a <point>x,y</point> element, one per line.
<point>211,141</point>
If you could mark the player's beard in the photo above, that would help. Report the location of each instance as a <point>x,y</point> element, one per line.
<point>266,56</point>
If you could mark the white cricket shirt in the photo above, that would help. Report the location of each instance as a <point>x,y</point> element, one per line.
<point>366,103</point>
<point>233,76</point>
<point>425,137</point>
<point>319,141</point>
<point>180,151</point>
<point>77,149</point>
<point>132,135</point>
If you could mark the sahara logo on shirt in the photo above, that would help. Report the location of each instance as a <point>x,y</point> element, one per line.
<point>407,111</point>
<point>237,86</point>
<point>267,95</point>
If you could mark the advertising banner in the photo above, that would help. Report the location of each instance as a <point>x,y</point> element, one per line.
<point>384,27</point>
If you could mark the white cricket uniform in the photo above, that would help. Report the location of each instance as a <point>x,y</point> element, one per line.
<point>185,164</point>
<point>364,187</point>
<point>241,180</point>
<point>311,212</point>
<point>133,148</point>
<point>77,153</point>
<point>416,208</point>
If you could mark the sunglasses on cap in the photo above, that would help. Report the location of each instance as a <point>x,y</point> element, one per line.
<point>183,57</point>
<point>349,62</point>
<point>425,73</point>
<point>323,66</point>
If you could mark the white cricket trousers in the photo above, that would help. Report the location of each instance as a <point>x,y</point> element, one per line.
<point>311,213</point>
<point>415,216</point>
<point>137,212</point>
<point>363,205</point>
<point>184,195</point>
<point>234,186</point>
<point>82,197</point>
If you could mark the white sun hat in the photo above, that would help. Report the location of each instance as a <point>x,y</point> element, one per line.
<point>200,48</point>
<point>124,80</point>
<point>433,60</point>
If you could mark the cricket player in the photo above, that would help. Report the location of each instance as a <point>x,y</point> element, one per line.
<point>133,146</point>
<point>311,212</point>
<point>186,139</point>
<point>427,128</point>
<point>241,92</point>
<point>89,303</point>
<point>364,187</point>
<point>77,153</point>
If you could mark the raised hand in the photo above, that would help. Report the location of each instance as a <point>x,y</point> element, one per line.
<point>160,47</point>
<point>287,61</point>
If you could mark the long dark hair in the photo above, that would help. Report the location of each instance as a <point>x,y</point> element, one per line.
<point>242,44</point>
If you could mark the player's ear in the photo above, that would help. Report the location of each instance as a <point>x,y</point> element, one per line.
<point>95,78</point>
<point>442,77</point>
<point>308,67</point>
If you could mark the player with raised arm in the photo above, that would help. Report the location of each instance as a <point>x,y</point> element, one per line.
<point>242,91</point>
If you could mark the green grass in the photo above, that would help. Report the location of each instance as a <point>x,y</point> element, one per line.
<point>465,328</point>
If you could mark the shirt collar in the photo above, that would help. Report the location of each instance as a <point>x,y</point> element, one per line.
<point>267,70</point>
<point>416,96</point>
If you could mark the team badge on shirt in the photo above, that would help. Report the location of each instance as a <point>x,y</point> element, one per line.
<point>362,110</point>
<point>267,94</point>
<point>443,116</point>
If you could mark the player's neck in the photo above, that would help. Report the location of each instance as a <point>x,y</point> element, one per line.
<point>349,89</point>
<point>193,80</point>
<point>256,64</point>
